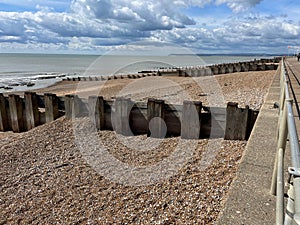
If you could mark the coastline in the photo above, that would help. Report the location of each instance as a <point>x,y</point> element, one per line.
<point>27,74</point>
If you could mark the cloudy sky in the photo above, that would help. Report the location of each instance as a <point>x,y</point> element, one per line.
<point>98,26</point>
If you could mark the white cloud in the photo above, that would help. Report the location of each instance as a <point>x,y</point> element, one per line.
<point>103,24</point>
<point>248,34</point>
<point>142,15</point>
<point>188,3</point>
<point>239,5</point>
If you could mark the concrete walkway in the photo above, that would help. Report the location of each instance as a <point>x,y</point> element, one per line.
<point>250,201</point>
<point>293,69</point>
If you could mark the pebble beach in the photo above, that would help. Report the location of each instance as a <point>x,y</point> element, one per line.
<point>45,178</point>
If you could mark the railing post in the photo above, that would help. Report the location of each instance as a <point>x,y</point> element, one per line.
<point>281,144</point>
<point>280,189</point>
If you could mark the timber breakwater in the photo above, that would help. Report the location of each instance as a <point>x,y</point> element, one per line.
<point>194,71</point>
<point>192,120</point>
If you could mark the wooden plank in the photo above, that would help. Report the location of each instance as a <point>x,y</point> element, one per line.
<point>61,102</point>
<point>4,117</point>
<point>190,121</point>
<point>230,68</point>
<point>75,106</point>
<point>173,123</point>
<point>215,70</point>
<point>253,67</point>
<point>96,111</point>
<point>139,122</point>
<point>213,122</point>
<point>237,67</point>
<point>51,107</point>
<point>16,113</point>
<point>245,67</point>
<point>156,125</point>
<point>223,69</point>
<point>253,114</point>
<point>121,116</point>
<point>236,122</point>
<point>208,71</point>
<point>69,106</point>
<point>31,110</point>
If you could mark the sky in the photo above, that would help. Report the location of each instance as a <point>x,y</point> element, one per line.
<point>198,26</point>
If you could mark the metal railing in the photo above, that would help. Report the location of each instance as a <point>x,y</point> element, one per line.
<point>286,128</point>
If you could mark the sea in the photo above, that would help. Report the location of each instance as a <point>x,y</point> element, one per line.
<point>24,72</point>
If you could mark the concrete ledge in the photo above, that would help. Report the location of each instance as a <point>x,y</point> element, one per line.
<point>249,200</point>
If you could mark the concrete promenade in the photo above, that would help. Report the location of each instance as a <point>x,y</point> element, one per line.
<point>293,69</point>
<point>250,201</point>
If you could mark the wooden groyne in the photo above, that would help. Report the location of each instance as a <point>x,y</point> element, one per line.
<point>195,71</point>
<point>155,117</point>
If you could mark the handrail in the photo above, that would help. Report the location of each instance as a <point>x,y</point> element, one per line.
<point>286,127</point>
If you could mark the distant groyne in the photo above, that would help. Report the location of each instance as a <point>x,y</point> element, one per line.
<point>194,71</point>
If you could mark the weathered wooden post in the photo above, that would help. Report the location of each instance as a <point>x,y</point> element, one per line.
<point>31,110</point>
<point>51,107</point>
<point>223,69</point>
<point>270,67</point>
<point>121,116</point>
<point>4,117</point>
<point>230,68</point>
<point>70,107</point>
<point>252,116</point>
<point>16,113</point>
<point>215,70</point>
<point>96,111</point>
<point>191,120</point>
<point>201,72</point>
<point>156,114</point>
<point>193,72</point>
<point>245,67</point>
<point>208,71</point>
<point>69,102</point>
<point>262,67</point>
<point>253,66</point>
<point>237,67</point>
<point>179,71</point>
<point>236,122</point>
